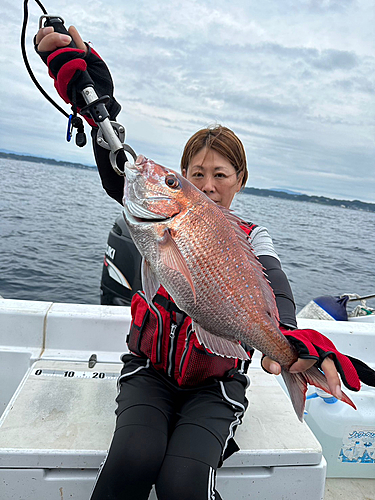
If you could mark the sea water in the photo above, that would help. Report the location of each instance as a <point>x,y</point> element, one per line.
<point>54,224</point>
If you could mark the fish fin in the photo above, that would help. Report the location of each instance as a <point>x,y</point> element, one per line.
<point>173,258</point>
<point>150,283</point>
<point>297,386</point>
<point>219,345</point>
<point>256,266</point>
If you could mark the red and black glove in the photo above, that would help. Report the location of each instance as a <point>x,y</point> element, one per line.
<point>67,66</point>
<point>311,344</point>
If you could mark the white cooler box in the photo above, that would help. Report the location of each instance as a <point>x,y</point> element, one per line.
<point>56,429</point>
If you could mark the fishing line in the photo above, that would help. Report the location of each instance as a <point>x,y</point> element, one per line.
<point>25,58</point>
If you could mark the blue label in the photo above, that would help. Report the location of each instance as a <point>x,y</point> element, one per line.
<point>358,446</point>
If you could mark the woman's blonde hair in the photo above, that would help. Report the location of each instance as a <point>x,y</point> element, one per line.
<point>222,140</point>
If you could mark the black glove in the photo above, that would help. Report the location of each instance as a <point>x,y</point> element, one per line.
<point>72,68</point>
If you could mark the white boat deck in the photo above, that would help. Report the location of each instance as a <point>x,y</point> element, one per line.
<point>58,414</point>
<point>349,489</point>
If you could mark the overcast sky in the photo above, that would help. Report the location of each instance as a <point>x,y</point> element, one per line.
<point>293,78</point>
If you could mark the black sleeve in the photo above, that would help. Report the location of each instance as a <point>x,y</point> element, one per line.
<point>111,182</point>
<point>282,290</point>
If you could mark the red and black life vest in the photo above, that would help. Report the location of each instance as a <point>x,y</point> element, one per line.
<point>164,334</point>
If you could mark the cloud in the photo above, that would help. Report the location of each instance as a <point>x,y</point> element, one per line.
<point>322,6</point>
<point>293,79</point>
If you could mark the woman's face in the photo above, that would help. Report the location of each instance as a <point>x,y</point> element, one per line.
<point>213,174</point>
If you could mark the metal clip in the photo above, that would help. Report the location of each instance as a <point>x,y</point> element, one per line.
<point>119,131</point>
<point>113,156</point>
<point>111,134</point>
<point>69,130</point>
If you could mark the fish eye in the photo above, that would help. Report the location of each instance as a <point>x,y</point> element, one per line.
<point>172,181</point>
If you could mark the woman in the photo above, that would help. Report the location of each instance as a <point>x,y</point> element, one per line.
<point>176,415</point>
<point>178,405</point>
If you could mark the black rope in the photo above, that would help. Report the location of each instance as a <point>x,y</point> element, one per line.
<point>42,7</point>
<point>25,59</point>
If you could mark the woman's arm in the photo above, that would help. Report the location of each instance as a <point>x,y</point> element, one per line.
<point>51,47</point>
<point>264,249</point>
<point>281,289</point>
<point>111,182</point>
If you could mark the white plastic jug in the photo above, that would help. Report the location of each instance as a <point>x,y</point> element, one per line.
<point>347,436</point>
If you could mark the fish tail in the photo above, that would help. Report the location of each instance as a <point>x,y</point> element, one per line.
<point>296,384</point>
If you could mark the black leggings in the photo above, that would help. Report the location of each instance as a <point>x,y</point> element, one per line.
<point>138,459</point>
<point>168,437</point>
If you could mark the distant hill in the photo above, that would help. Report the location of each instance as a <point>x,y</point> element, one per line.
<point>49,161</point>
<point>322,200</point>
<point>289,191</point>
<point>275,193</point>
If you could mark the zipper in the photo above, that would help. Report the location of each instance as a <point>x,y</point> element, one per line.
<point>172,336</point>
<point>173,330</point>
<point>187,342</point>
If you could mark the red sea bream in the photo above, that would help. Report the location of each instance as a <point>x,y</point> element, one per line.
<point>201,256</point>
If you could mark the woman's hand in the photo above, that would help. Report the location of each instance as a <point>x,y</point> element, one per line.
<point>301,365</point>
<point>47,40</point>
<point>75,68</point>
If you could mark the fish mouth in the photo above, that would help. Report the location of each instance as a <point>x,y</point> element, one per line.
<point>140,215</point>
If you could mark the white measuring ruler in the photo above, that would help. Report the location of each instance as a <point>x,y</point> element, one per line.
<point>70,374</point>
